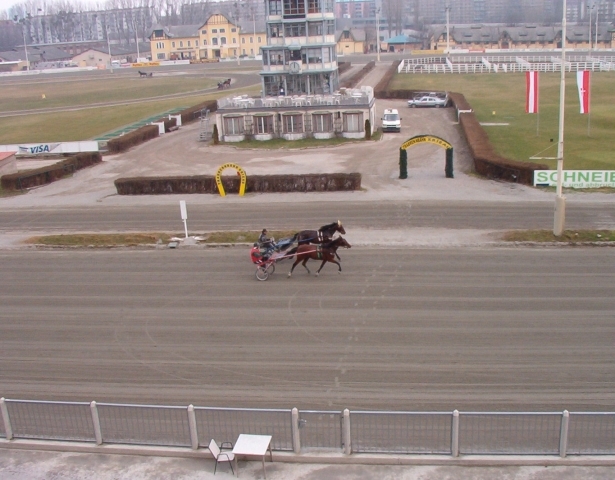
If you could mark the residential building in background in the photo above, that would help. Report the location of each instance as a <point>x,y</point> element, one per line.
<point>217,38</point>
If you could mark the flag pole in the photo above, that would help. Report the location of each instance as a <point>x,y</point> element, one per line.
<point>589,101</point>
<point>560,200</point>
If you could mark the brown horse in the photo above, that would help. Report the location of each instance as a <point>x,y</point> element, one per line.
<point>325,252</point>
<point>323,235</point>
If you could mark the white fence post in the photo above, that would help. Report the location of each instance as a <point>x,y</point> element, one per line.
<point>563,435</point>
<point>346,432</point>
<point>294,424</point>
<point>8,430</point>
<point>96,422</point>
<point>455,434</point>
<point>194,434</point>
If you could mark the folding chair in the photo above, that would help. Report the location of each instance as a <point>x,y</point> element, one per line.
<point>221,456</point>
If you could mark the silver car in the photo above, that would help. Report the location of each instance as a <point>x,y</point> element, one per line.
<point>428,101</point>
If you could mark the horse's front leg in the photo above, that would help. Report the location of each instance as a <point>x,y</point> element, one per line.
<point>339,267</point>
<point>293,267</point>
<point>322,265</point>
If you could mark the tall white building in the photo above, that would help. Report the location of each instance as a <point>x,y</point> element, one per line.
<point>300,56</point>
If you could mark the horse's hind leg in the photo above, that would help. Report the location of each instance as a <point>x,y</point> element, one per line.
<point>305,266</point>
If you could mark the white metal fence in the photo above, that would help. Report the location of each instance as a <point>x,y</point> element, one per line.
<point>435,433</point>
<point>505,64</point>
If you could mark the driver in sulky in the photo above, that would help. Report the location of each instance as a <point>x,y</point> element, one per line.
<point>266,243</point>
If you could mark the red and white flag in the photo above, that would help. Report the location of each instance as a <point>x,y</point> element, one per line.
<point>531,93</point>
<point>583,84</point>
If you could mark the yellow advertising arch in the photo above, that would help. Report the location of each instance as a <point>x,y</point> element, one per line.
<point>448,169</point>
<point>240,172</point>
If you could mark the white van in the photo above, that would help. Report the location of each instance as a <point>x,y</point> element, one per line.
<point>391,121</point>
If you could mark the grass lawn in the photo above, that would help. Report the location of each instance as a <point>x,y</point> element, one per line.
<point>500,98</point>
<point>79,90</point>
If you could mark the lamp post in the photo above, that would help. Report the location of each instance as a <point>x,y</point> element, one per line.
<point>589,9</point>
<point>560,200</point>
<point>378,33</point>
<point>109,49</point>
<point>448,14</point>
<point>25,43</point>
<point>597,12</point>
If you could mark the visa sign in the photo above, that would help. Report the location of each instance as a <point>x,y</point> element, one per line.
<point>37,149</point>
<point>575,178</point>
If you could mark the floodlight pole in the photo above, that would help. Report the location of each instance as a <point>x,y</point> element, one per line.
<point>109,48</point>
<point>378,34</point>
<point>560,200</point>
<point>448,14</point>
<point>25,44</point>
<point>589,9</point>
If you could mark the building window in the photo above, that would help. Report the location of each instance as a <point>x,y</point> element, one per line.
<point>264,124</point>
<point>275,30</point>
<point>196,43</point>
<point>314,55</point>
<point>233,30</point>
<point>160,56</point>
<point>243,39</point>
<point>189,43</point>
<point>222,30</point>
<point>294,30</point>
<point>214,41</point>
<point>251,51</point>
<point>293,123</point>
<point>204,41</point>
<point>314,29</point>
<point>258,39</point>
<point>313,6</point>
<point>275,7</point>
<point>233,125</point>
<point>244,51</point>
<point>353,122</point>
<point>204,32</point>
<point>294,7</point>
<point>330,27</point>
<point>322,122</point>
<point>173,44</point>
<point>234,40</point>
<point>214,30</point>
<point>222,40</point>
<point>160,45</point>
<point>251,39</point>
<point>181,44</point>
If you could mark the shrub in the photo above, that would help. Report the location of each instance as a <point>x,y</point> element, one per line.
<point>354,79</point>
<point>50,173</point>
<point>215,134</point>
<point>193,113</point>
<point>368,130</point>
<point>382,87</point>
<point>136,137</point>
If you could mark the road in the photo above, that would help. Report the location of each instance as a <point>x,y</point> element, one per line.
<point>402,329</point>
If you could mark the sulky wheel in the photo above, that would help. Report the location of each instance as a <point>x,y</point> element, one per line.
<point>270,269</point>
<point>262,273</point>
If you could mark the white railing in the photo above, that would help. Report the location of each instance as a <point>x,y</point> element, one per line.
<point>450,433</point>
<point>504,64</point>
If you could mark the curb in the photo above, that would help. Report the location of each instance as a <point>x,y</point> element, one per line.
<point>320,456</point>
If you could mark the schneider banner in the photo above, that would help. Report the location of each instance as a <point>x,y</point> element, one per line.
<point>575,178</point>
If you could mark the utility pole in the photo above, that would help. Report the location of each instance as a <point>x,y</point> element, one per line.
<point>378,33</point>
<point>560,201</point>
<point>448,14</point>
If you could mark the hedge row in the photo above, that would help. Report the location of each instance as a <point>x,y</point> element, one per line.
<point>147,132</point>
<point>343,66</point>
<point>486,161</point>
<point>255,183</point>
<point>136,137</point>
<point>193,113</point>
<point>50,173</point>
<point>354,79</point>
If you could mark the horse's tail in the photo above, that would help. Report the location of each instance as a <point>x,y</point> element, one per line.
<point>291,252</point>
<point>294,237</point>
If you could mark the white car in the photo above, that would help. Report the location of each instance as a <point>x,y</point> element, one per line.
<point>391,121</point>
<point>428,101</point>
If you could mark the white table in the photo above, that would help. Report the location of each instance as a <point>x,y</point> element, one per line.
<point>256,445</point>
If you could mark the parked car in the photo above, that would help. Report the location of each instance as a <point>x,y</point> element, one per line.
<point>391,122</point>
<point>429,100</point>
